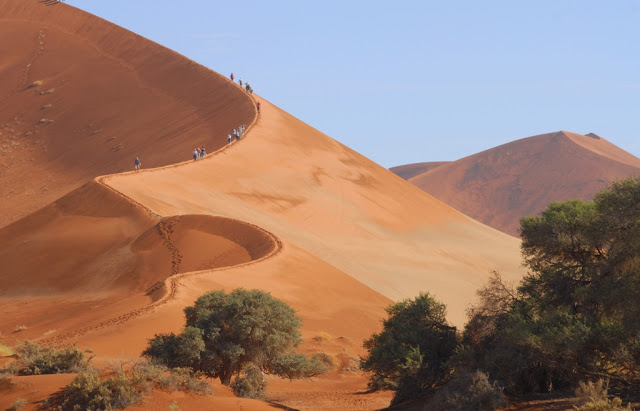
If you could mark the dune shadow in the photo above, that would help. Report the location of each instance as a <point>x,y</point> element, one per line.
<point>49,2</point>
<point>281,406</point>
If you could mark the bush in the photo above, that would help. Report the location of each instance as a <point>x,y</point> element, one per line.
<point>251,384</point>
<point>127,386</point>
<point>225,332</point>
<point>88,392</point>
<point>17,404</point>
<point>614,404</point>
<point>410,355</point>
<point>593,390</point>
<point>34,359</point>
<point>468,391</point>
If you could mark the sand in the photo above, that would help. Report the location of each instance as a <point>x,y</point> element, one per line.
<point>106,257</point>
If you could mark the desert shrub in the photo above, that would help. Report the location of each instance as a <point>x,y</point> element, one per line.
<point>251,384</point>
<point>17,404</point>
<point>603,404</point>
<point>592,390</point>
<point>88,392</point>
<point>184,379</point>
<point>5,351</point>
<point>468,391</point>
<point>225,332</point>
<point>327,360</point>
<point>36,83</point>
<point>410,355</point>
<point>20,328</point>
<point>34,359</point>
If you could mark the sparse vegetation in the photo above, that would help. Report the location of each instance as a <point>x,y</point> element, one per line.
<point>225,333</point>
<point>18,404</point>
<point>593,390</point>
<point>614,404</point>
<point>36,83</point>
<point>20,328</point>
<point>468,391</point>
<point>126,385</point>
<point>5,351</point>
<point>34,359</point>
<point>46,106</point>
<point>50,91</point>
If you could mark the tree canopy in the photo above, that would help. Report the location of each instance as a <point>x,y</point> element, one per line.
<point>576,315</point>
<point>409,355</point>
<point>225,332</point>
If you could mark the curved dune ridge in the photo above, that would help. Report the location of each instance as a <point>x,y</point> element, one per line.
<point>500,185</point>
<point>123,96</point>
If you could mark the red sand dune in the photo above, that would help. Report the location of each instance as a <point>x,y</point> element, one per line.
<point>521,178</point>
<point>287,209</point>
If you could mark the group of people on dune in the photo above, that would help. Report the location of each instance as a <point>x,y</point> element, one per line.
<point>236,133</point>
<point>247,87</point>
<point>198,153</point>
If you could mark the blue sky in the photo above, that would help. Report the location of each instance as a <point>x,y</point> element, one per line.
<point>412,81</point>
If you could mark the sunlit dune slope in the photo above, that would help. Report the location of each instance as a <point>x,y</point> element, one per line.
<point>521,178</point>
<point>314,192</point>
<point>106,96</point>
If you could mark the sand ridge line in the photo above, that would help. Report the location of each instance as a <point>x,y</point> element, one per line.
<point>174,282</point>
<point>165,230</point>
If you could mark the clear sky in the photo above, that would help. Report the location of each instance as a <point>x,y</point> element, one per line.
<point>411,81</point>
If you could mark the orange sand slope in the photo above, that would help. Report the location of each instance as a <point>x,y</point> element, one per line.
<point>500,185</point>
<point>107,96</point>
<point>313,192</point>
<point>287,209</point>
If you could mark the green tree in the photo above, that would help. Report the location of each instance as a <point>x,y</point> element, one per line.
<point>226,332</point>
<point>576,315</point>
<point>410,354</point>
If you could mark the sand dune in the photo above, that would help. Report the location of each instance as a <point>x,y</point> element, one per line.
<point>107,96</point>
<point>287,209</point>
<point>500,185</point>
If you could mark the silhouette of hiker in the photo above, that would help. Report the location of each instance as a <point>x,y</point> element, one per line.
<point>228,138</point>
<point>137,164</point>
<point>202,152</point>
<point>196,154</point>
<point>258,106</point>
<point>231,77</point>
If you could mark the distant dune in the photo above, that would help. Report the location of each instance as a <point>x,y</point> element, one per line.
<point>500,185</point>
<point>107,262</point>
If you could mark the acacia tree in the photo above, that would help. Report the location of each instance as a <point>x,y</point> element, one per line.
<point>409,355</point>
<point>576,315</point>
<point>225,332</point>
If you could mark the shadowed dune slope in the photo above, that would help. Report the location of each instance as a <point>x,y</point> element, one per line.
<point>96,242</point>
<point>521,178</point>
<point>81,97</point>
<point>411,170</point>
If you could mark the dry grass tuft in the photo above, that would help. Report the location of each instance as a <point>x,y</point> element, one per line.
<point>50,91</point>
<point>37,83</point>
<point>45,121</point>
<point>46,106</point>
<point>20,328</point>
<point>17,404</point>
